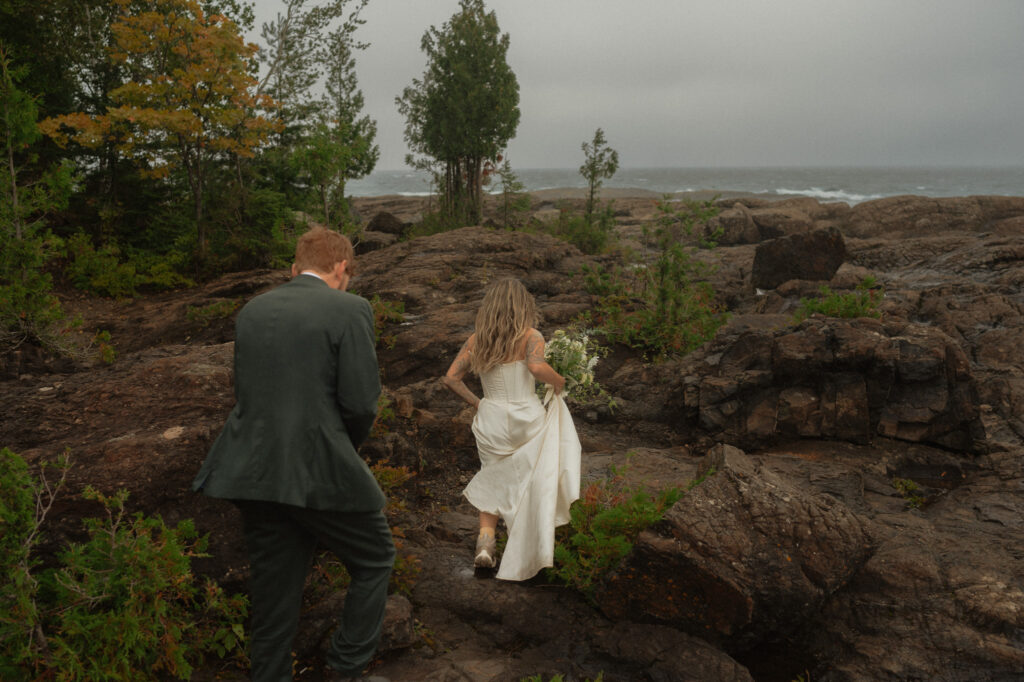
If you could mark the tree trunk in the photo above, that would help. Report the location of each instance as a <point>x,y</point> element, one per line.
<point>16,218</point>
<point>327,210</point>
<point>197,199</point>
<point>474,189</point>
<point>343,204</point>
<point>244,204</point>
<point>589,211</point>
<point>193,162</point>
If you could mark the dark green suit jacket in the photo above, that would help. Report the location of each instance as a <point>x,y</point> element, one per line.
<point>306,389</point>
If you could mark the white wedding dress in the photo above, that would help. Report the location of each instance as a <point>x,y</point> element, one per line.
<point>530,467</point>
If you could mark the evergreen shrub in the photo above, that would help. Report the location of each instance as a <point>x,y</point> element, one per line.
<point>122,605</point>
<point>29,310</point>
<point>667,307</point>
<point>605,522</point>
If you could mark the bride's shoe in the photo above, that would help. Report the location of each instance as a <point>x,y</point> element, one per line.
<point>485,551</point>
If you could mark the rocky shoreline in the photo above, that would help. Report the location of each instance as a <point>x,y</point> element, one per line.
<point>798,556</point>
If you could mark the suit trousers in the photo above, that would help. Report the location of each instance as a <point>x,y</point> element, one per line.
<point>281,539</point>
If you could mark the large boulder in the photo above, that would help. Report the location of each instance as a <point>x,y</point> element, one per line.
<point>387,223</point>
<point>918,216</point>
<point>734,226</point>
<point>941,598</point>
<point>780,221</point>
<point>742,559</point>
<point>373,241</point>
<point>552,629</point>
<point>759,381</point>
<point>813,255</point>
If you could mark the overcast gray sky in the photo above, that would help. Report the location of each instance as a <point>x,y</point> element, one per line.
<point>706,83</point>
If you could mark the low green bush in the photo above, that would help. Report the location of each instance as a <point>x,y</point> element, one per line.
<point>107,271</point>
<point>104,347</point>
<point>122,605</point>
<point>433,222</point>
<point>604,523</point>
<point>218,310</point>
<point>99,270</point>
<point>589,236</point>
<point>862,302</point>
<point>909,490</point>
<point>385,311</point>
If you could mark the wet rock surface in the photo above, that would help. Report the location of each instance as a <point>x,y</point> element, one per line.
<point>798,555</point>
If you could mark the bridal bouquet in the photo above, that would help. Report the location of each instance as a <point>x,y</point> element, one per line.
<point>574,355</point>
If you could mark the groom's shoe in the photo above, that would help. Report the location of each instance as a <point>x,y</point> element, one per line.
<point>485,551</point>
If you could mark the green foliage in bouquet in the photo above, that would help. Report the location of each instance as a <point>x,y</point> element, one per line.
<point>574,355</point>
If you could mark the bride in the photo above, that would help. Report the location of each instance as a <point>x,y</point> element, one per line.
<point>529,455</point>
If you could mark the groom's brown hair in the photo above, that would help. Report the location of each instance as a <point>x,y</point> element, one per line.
<point>320,249</point>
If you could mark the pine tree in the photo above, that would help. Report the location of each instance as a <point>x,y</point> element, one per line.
<point>600,161</point>
<point>464,109</point>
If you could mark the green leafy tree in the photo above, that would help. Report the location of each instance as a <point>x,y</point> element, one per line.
<point>341,145</point>
<point>323,141</point>
<point>343,105</point>
<point>188,100</point>
<point>464,109</point>
<point>18,112</point>
<point>46,36</point>
<point>600,162</point>
<point>293,58</point>
<point>324,160</point>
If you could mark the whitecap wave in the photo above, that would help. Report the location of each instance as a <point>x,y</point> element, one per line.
<point>829,194</point>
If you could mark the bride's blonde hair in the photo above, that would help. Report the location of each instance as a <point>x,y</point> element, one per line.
<point>506,314</point>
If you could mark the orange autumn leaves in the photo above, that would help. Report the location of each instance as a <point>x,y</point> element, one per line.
<point>188,92</point>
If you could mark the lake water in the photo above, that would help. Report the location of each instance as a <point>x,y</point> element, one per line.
<point>851,185</point>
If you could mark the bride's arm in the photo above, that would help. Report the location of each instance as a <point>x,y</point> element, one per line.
<point>538,366</point>
<point>458,369</point>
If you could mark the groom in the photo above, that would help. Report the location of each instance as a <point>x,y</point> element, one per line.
<point>306,389</point>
